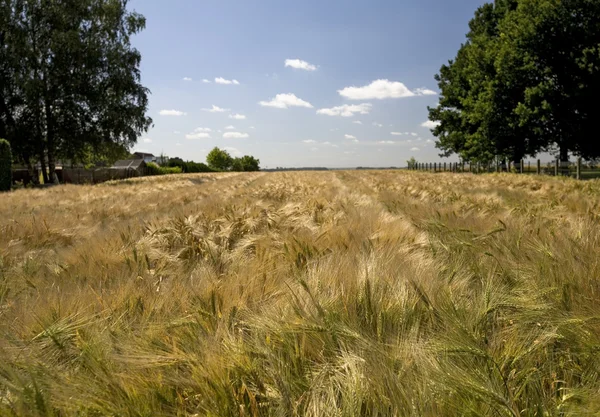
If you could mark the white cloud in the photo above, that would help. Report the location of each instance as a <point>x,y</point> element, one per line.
<point>396,133</point>
<point>221,80</point>
<point>330,144</point>
<point>187,79</point>
<point>251,127</point>
<point>377,124</point>
<point>429,141</point>
<point>229,127</point>
<point>299,64</point>
<point>357,122</point>
<point>350,137</point>
<point>215,109</point>
<point>235,135</point>
<point>425,92</point>
<point>147,140</point>
<point>234,151</point>
<point>378,89</point>
<point>335,129</point>
<point>309,141</point>
<point>237,116</point>
<point>314,149</point>
<point>414,134</point>
<point>203,129</point>
<point>347,110</point>
<point>284,101</point>
<point>172,113</point>
<point>386,142</point>
<point>430,125</point>
<point>206,81</point>
<point>197,135</point>
<point>415,149</point>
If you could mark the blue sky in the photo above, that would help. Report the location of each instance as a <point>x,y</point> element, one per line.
<point>372,61</point>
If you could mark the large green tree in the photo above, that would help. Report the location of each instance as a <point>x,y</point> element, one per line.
<point>219,159</point>
<point>524,82</point>
<point>71,79</point>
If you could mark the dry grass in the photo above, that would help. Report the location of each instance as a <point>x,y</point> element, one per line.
<point>302,294</point>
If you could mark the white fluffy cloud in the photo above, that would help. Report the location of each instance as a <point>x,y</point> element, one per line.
<point>414,134</point>
<point>206,81</point>
<point>382,89</point>
<point>357,122</point>
<point>396,133</point>
<point>350,136</point>
<point>386,142</point>
<point>430,125</point>
<point>309,141</point>
<point>197,135</point>
<point>425,92</point>
<point>233,151</point>
<point>235,135</point>
<point>172,113</point>
<point>415,149</point>
<point>230,127</point>
<point>237,116</point>
<point>429,141</point>
<point>377,124</point>
<point>221,80</point>
<point>285,101</point>
<point>187,79</point>
<point>347,110</point>
<point>215,109</point>
<point>147,140</point>
<point>378,89</point>
<point>299,64</point>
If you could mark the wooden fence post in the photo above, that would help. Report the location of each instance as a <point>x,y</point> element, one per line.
<point>435,167</point>
<point>539,167</point>
<point>521,166</point>
<point>556,164</point>
<point>578,168</point>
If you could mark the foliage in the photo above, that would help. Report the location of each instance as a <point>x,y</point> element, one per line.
<point>154,169</point>
<point>411,163</point>
<point>246,163</point>
<point>5,165</point>
<point>524,82</point>
<point>189,167</point>
<point>69,78</point>
<point>219,159</point>
<point>334,293</point>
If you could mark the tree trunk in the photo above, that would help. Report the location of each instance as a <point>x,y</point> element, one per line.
<point>564,153</point>
<point>43,166</point>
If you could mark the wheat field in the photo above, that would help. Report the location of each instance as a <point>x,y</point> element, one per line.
<point>348,293</point>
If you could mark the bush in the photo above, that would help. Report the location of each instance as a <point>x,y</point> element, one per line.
<point>153,169</point>
<point>5,165</point>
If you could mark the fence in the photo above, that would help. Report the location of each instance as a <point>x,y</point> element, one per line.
<point>86,176</point>
<point>577,170</point>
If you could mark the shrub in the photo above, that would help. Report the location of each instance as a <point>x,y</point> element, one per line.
<point>5,165</point>
<point>153,169</point>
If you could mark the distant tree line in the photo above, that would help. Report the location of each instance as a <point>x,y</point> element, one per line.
<point>218,160</point>
<point>70,81</point>
<point>526,81</point>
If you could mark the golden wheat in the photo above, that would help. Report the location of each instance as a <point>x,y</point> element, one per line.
<point>380,293</point>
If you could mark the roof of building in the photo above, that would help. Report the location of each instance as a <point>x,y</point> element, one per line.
<point>143,154</point>
<point>129,164</point>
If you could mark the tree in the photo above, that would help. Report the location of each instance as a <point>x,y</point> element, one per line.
<point>219,159</point>
<point>71,78</point>
<point>411,163</point>
<point>5,166</point>
<point>246,163</point>
<point>524,82</point>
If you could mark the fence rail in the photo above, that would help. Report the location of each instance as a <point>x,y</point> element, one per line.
<point>577,170</point>
<point>81,175</point>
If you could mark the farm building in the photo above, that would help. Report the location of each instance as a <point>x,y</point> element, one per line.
<point>147,157</point>
<point>130,164</point>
